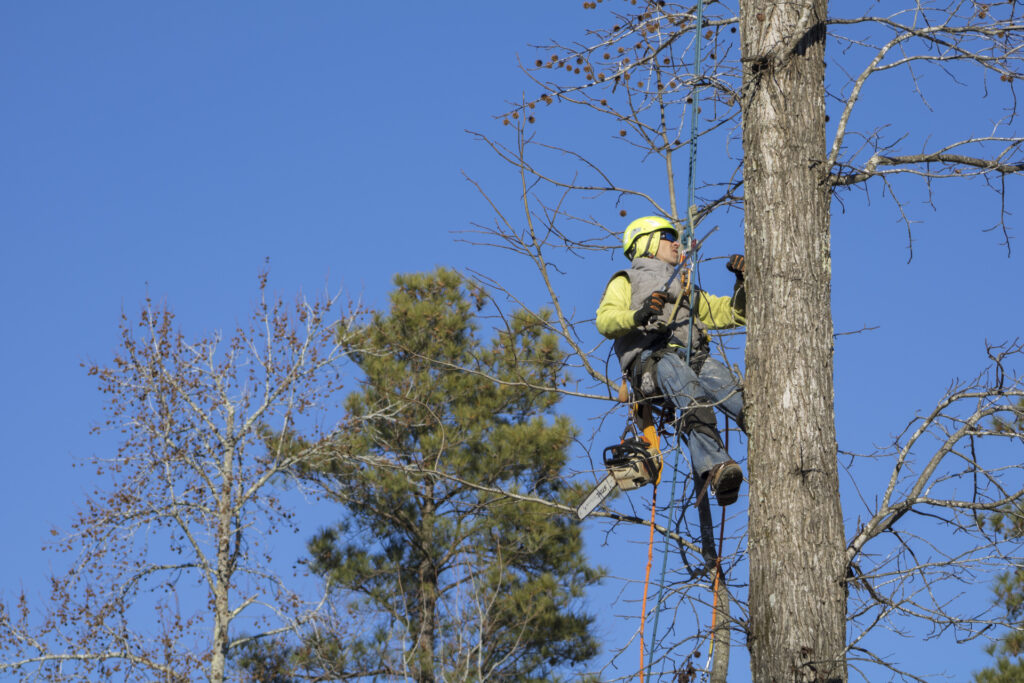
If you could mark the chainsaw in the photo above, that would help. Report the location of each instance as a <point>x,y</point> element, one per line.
<point>631,464</point>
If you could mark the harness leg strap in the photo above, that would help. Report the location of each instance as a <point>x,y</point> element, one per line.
<point>702,420</point>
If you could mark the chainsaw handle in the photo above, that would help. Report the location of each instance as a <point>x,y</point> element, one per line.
<point>621,452</point>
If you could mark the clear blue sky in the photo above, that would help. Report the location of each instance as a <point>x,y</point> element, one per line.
<point>169,149</point>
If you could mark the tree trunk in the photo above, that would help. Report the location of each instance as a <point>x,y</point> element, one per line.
<point>222,573</point>
<point>428,586</point>
<point>720,633</point>
<point>797,597</point>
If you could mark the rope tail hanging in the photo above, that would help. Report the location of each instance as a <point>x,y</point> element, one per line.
<point>719,580</point>
<point>647,578</point>
<point>651,433</point>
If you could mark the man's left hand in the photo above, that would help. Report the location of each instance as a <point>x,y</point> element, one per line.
<point>736,264</point>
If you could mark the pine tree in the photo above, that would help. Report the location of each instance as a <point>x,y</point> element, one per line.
<point>1009,588</point>
<point>452,575</point>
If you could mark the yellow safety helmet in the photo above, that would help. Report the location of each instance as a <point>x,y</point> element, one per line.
<point>648,225</point>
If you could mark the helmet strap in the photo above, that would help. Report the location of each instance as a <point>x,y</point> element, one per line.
<point>650,238</point>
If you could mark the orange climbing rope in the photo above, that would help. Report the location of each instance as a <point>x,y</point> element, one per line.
<point>714,586</point>
<point>647,578</point>
<point>718,564</point>
<point>651,434</point>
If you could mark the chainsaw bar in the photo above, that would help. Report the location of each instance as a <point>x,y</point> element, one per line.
<point>596,497</point>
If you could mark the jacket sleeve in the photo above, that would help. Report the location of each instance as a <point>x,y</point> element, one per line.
<point>720,312</point>
<point>614,316</point>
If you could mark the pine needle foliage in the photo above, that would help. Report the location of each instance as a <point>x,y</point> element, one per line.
<point>450,568</point>
<point>1009,588</point>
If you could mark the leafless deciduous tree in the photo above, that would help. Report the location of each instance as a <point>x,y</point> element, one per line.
<point>170,568</point>
<point>762,90</point>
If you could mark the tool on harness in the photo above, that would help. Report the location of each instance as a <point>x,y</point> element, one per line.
<point>631,464</point>
<point>643,373</point>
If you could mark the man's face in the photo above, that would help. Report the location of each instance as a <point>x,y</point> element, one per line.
<point>668,247</point>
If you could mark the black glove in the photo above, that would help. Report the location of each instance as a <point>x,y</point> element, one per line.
<point>736,264</point>
<point>650,308</point>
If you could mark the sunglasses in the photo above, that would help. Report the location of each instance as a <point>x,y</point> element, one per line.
<point>669,235</point>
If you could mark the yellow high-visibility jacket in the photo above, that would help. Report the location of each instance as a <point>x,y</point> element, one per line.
<point>615,318</point>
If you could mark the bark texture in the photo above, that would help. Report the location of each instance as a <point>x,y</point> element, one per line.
<point>797,597</point>
<point>428,587</point>
<point>720,660</point>
<point>224,570</point>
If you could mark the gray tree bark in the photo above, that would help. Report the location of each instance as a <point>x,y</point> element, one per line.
<point>225,569</point>
<point>428,590</point>
<point>720,660</point>
<point>797,597</point>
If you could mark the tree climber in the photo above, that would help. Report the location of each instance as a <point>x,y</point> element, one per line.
<point>653,337</point>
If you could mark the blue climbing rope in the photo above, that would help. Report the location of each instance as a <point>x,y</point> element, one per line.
<point>689,243</point>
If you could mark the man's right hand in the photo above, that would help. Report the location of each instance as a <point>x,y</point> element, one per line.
<point>650,308</point>
<point>736,265</point>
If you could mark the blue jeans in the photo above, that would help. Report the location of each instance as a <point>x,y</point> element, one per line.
<point>714,385</point>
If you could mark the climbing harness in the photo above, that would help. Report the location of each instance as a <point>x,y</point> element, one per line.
<point>637,461</point>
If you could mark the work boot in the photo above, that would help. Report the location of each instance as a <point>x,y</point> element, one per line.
<point>725,479</point>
